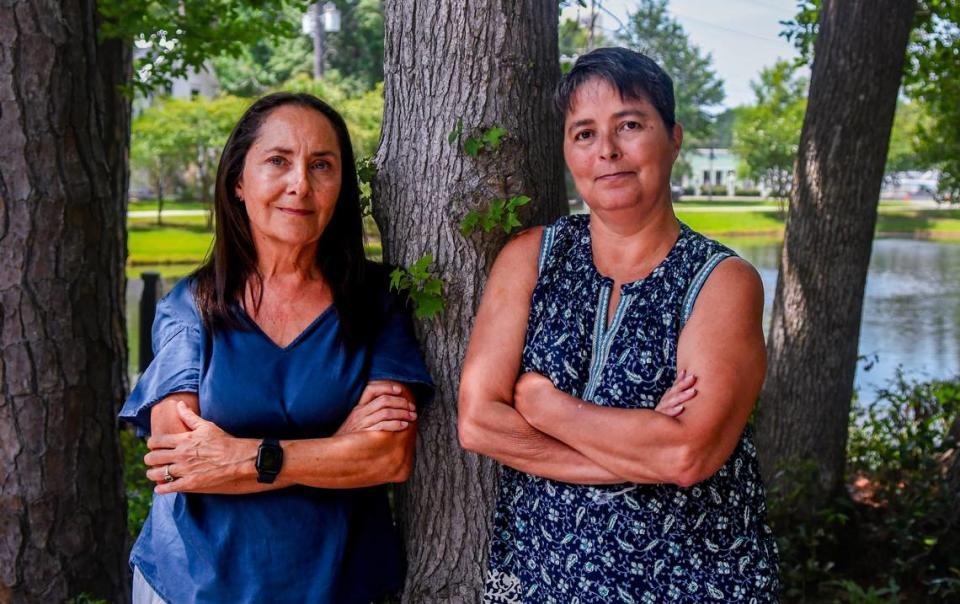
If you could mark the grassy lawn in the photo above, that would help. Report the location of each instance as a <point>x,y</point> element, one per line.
<point>167,244</point>
<point>182,242</point>
<point>151,205</point>
<point>936,225</point>
<point>722,201</point>
<point>747,223</point>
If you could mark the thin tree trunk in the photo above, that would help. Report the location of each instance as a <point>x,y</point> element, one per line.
<point>805,403</point>
<point>64,132</point>
<point>492,62</point>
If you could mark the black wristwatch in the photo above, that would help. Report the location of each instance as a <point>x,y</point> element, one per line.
<point>269,460</point>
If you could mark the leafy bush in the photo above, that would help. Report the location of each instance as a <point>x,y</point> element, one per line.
<point>747,192</point>
<point>898,459</point>
<point>139,490</point>
<point>715,190</point>
<point>893,536</point>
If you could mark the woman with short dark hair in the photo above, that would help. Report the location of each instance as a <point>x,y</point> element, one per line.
<point>602,498</point>
<point>283,391</point>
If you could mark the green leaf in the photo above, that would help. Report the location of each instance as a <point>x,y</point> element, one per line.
<point>433,286</point>
<point>396,277</point>
<point>419,269</point>
<point>454,135</point>
<point>493,136</point>
<point>472,147</point>
<point>516,201</point>
<point>427,308</point>
<point>469,223</point>
<point>510,223</point>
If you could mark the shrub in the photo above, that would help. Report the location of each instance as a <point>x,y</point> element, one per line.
<point>747,192</point>
<point>138,488</point>
<point>892,537</point>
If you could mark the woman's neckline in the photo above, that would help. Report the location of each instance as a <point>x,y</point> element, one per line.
<point>681,234</point>
<point>304,333</point>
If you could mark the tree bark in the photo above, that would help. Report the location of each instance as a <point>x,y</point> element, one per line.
<point>805,403</point>
<point>491,62</point>
<point>64,134</point>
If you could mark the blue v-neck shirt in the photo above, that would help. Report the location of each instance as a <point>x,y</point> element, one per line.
<point>298,544</point>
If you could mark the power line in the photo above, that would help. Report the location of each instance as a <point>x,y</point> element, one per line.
<point>779,9</point>
<point>726,29</point>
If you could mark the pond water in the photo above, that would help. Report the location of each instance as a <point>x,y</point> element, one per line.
<point>911,314</point>
<point>911,310</point>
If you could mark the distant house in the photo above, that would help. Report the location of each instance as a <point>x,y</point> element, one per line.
<point>712,166</point>
<point>196,83</point>
<point>910,185</point>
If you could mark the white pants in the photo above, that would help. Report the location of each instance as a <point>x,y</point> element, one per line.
<point>142,592</point>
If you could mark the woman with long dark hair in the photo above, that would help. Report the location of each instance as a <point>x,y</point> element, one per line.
<point>283,391</point>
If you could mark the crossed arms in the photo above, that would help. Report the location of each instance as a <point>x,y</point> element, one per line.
<point>531,426</point>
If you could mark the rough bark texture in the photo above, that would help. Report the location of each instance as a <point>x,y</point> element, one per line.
<point>64,132</point>
<point>805,403</point>
<point>491,62</point>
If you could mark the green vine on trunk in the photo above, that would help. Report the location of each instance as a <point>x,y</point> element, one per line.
<point>488,139</point>
<point>366,172</point>
<point>501,213</point>
<point>423,288</point>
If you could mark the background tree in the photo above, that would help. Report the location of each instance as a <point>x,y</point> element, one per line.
<point>175,138</point>
<point>63,181</point>
<point>356,51</point>
<point>485,64</point>
<point>933,77</point>
<point>64,140</point>
<point>156,155</point>
<point>574,38</point>
<point>812,347</point>
<point>905,145</point>
<point>767,133</point>
<point>652,31</point>
<point>268,61</point>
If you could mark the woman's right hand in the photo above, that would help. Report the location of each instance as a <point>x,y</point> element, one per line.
<point>384,405</point>
<point>680,392</point>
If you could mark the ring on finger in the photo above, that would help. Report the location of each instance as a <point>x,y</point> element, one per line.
<point>167,476</point>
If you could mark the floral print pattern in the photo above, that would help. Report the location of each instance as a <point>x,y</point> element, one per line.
<point>561,542</point>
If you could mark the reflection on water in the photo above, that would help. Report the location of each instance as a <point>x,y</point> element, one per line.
<point>911,314</point>
<point>911,309</point>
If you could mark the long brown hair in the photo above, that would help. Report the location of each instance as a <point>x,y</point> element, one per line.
<point>232,263</point>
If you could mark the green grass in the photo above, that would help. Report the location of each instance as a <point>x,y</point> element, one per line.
<point>934,224</point>
<point>722,201</point>
<point>744,223</point>
<point>167,244</point>
<point>151,205</point>
<point>892,220</point>
<point>175,248</point>
<point>173,222</point>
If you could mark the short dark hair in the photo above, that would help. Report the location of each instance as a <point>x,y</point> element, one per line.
<point>632,74</point>
<point>221,280</point>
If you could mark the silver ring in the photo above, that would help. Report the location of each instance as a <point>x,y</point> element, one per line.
<point>167,476</point>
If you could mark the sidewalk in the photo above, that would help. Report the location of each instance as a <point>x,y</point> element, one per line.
<point>153,213</point>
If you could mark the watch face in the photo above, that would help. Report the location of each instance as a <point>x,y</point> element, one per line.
<point>269,459</point>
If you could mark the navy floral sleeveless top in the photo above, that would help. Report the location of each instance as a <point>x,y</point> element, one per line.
<point>561,542</point>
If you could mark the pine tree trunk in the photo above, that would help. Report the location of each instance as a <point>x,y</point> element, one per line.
<point>492,62</point>
<point>64,132</point>
<point>812,348</point>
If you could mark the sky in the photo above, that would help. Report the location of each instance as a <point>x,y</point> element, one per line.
<point>741,35</point>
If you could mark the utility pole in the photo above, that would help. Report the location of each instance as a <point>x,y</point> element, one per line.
<point>318,39</point>
<point>593,23</point>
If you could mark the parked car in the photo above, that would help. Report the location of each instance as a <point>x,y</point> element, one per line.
<point>676,191</point>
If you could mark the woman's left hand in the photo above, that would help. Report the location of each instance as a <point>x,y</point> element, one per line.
<point>200,459</point>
